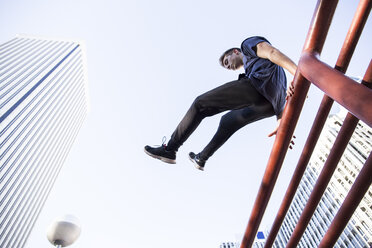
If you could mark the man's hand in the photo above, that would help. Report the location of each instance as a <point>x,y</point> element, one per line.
<point>290,91</point>
<point>276,130</point>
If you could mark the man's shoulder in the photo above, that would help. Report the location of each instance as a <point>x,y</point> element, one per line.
<point>248,46</point>
<point>255,39</point>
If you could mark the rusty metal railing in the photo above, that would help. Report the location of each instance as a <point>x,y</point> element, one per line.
<point>356,193</point>
<point>336,87</point>
<point>342,63</point>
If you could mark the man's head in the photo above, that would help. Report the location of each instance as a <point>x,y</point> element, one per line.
<point>232,59</point>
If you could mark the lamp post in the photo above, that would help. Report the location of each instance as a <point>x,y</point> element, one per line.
<point>64,231</point>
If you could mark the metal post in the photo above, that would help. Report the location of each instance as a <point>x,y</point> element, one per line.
<point>342,63</point>
<point>314,42</point>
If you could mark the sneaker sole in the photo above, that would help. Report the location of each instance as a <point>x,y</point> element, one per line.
<point>196,165</point>
<point>166,160</point>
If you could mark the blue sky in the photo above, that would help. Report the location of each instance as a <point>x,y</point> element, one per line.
<point>147,61</point>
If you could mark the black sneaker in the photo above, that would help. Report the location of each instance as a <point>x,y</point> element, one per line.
<point>198,162</point>
<point>161,153</point>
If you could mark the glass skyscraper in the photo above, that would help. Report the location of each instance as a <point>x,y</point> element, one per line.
<point>358,232</point>
<point>43,103</point>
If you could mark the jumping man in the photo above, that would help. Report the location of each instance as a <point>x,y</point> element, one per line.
<point>257,94</point>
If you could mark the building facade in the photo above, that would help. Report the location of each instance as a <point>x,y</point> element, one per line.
<point>43,103</point>
<point>259,241</point>
<point>358,232</point>
<point>229,245</point>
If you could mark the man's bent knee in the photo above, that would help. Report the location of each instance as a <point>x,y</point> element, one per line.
<point>198,104</point>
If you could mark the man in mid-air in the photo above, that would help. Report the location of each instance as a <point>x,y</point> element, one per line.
<point>259,93</point>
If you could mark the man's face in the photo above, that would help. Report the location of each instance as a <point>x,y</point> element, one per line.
<point>233,61</point>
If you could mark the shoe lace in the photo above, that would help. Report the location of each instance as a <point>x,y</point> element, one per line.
<point>164,139</point>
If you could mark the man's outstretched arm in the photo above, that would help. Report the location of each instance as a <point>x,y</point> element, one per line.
<point>267,51</point>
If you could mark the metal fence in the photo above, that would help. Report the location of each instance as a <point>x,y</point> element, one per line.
<point>336,87</point>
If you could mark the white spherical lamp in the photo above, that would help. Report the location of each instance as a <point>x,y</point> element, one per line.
<point>64,231</point>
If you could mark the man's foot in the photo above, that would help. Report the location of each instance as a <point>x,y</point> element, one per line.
<point>161,153</point>
<point>198,162</point>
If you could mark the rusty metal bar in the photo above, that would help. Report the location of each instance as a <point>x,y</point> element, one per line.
<point>339,87</point>
<point>356,193</point>
<point>314,134</point>
<point>355,30</point>
<point>314,42</point>
<point>342,63</point>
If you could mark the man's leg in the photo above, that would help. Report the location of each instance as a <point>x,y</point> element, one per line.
<point>230,123</point>
<point>233,95</point>
<point>233,121</point>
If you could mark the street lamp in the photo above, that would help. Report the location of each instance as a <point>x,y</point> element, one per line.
<point>64,231</point>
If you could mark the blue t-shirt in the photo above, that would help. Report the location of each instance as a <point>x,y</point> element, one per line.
<point>268,78</point>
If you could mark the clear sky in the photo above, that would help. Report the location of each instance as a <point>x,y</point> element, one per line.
<point>147,61</point>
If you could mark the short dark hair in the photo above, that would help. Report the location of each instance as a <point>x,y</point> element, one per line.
<point>228,52</point>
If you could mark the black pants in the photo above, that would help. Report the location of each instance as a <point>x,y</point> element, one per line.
<point>245,102</point>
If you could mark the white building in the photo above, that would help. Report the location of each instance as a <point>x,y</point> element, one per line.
<point>358,232</point>
<point>259,240</point>
<point>43,103</point>
<point>229,245</point>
